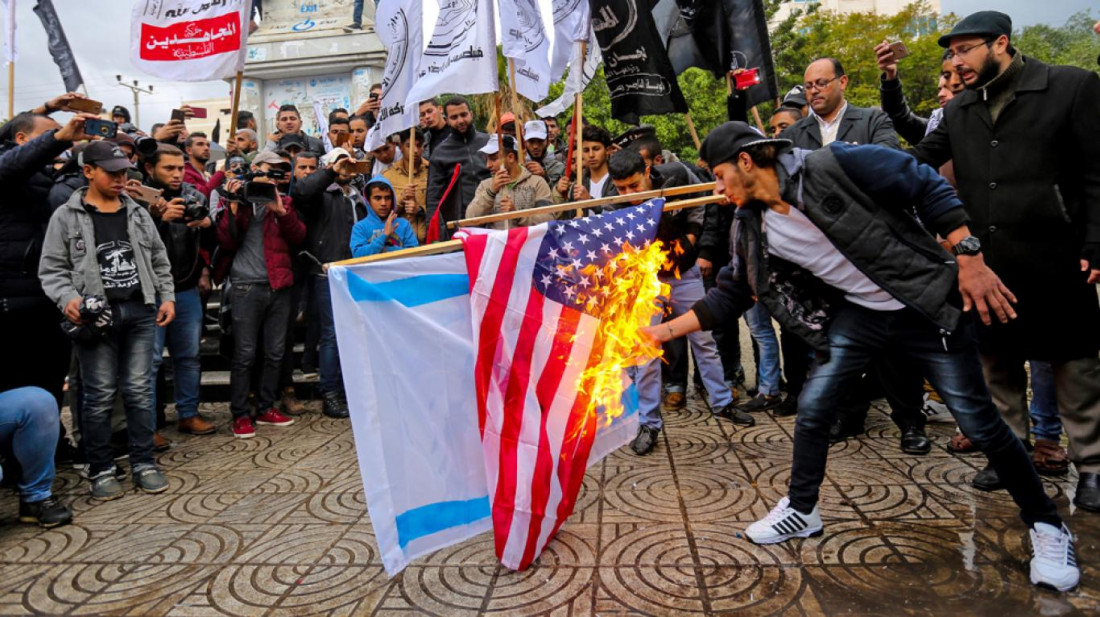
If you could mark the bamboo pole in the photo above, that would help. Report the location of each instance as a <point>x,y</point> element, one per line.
<point>515,111</point>
<point>694,135</point>
<point>451,246</point>
<point>705,187</point>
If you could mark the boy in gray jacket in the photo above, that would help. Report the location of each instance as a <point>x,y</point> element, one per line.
<point>102,243</point>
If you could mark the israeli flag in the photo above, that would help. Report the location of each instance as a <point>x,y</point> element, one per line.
<point>407,352</point>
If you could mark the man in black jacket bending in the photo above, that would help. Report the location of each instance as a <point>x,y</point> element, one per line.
<point>823,240</point>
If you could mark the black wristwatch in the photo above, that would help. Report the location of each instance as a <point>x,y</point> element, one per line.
<point>967,246</point>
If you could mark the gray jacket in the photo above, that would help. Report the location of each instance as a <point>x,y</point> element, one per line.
<point>69,268</point>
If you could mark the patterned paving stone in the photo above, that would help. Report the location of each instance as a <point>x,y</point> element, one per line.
<point>277,525</point>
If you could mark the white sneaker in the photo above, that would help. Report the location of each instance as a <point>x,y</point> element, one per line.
<point>935,411</point>
<point>784,523</point>
<point>1053,560</point>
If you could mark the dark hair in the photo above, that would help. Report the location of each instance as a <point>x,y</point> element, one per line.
<point>190,141</point>
<point>306,154</point>
<point>243,117</point>
<point>375,87</point>
<point>763,155</point>
<point>155,127</point>
<point>649,143</point>
<point>288,107</point>
<point>333,115</point>
<point>162,151</point>
<point>625,163</point>
<point>432,102</point>
<point>797,113</point>
<point>838,68</point>
<point>455,100</point>
<point>344,121</point>
<point>362,119</point>
<point>21,123</point>
<point>338,110</point>
<point>597,134</point>
<point>283,154</point>
<point>401,137</point>
<point>554,118</point>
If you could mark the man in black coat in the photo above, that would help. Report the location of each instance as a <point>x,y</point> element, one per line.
<point>37,351</point>
<point>461,147</point>
<point>1025,140</point>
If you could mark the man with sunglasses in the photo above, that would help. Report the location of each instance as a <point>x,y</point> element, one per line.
<point>1025,139</point>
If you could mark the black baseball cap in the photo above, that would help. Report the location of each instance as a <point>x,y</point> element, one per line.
<point>633,134</point>
<point>728,140</point>
<point>106,156</point>
<point>982,23</point>
<point>292,139</point>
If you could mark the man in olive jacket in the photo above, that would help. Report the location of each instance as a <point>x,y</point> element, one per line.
<point>1025,139</point>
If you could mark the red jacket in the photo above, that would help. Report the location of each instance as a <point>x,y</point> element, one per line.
<point>195,177</point>
<point>280,233</point>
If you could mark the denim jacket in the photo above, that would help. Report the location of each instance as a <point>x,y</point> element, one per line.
<point>69,268</point>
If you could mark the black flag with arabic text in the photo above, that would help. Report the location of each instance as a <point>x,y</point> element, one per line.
<point>728,34</point>
<point>636,65</point>
<point>59,45</point>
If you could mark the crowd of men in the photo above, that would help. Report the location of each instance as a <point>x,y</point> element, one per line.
<point>930,275</point>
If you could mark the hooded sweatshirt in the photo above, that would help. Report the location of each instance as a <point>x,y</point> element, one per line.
<point>367,237</point>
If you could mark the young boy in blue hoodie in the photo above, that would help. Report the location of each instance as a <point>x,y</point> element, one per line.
<point>382,230</point>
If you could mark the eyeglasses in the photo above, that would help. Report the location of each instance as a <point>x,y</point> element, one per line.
<point>820,84</point>
<point>958,53</point>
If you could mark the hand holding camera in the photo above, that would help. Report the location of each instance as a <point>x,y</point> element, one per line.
<point>173,210</point>
<point>275,206</point>
<point>87,318</point>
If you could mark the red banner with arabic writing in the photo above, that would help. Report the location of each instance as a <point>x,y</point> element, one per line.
<point>190,40</point>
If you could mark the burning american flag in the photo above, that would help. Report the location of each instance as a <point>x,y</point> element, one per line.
<point>555,310</point>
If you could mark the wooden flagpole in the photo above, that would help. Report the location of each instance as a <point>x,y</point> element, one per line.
<point>456,245</point>
<point>578,112</point>
<point>412,152</point>
<point>236,105</point>
<point>694,135</point>
<point>704,187</point>
<point>515,111</point>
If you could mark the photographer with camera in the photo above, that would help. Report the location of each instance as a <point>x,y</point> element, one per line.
<point>183,222</point>
<point>255,233</point>
<point>102,243</point>
<point>28,321</point>
<point>331,205</point>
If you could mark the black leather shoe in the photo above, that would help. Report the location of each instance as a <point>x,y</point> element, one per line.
<point>914,441</point>
<point>1088,492</point>
<point>732,413</point>
<point>333,405</point>
<point>841,430</point>
<point>645,441</point>
<point>787,408</point>
<point>987,480</point>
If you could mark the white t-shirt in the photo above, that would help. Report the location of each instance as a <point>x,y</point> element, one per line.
<point>596,190</point>
<point>829,129</point>
<point>795,238</point>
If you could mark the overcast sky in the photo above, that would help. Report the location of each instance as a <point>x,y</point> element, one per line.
<point>98,32</point>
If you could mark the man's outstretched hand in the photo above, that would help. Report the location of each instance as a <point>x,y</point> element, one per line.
<point>982,289</point>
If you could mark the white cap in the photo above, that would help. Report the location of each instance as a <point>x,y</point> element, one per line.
<point>334,155</point>
<point>535,129</point>
<point>492,147</point>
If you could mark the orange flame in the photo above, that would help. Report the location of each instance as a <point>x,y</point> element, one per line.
<point>628,290</point>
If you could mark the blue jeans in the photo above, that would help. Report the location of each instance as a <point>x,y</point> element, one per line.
<point>950,363</point>
<point>30,423</point>
<point>685,292</point>
<point>357,13</point>
<point>1045,421</point>
<point>121,361</point>
<point>763,332</point>
<point>182,337</point>
<point>329,354</point>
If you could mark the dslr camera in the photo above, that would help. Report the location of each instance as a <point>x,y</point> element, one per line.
<point>258,192</point>
<point>95,312</point>
<point>194,209</point>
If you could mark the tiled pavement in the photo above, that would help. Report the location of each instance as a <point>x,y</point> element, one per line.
<point>277,525</point>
